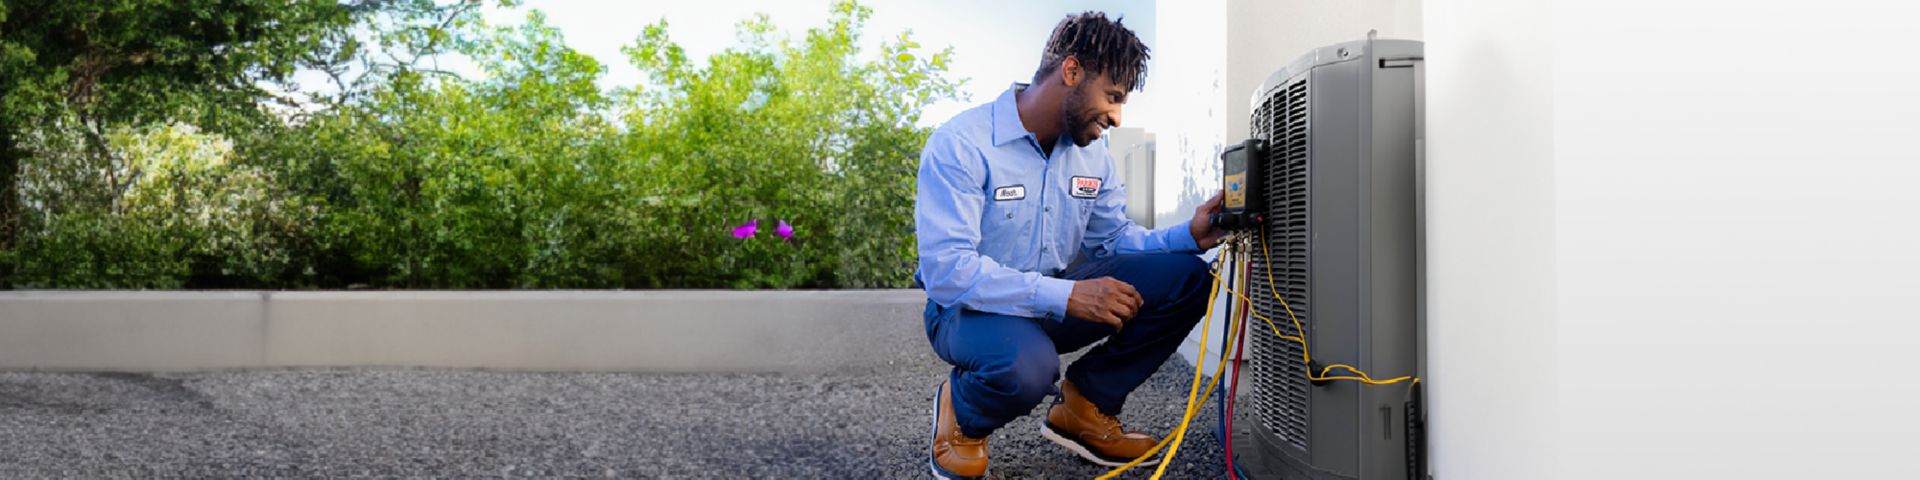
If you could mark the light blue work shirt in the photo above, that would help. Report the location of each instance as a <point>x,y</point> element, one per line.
<point>997,219</point>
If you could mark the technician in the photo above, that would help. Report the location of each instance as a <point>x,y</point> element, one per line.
<point>1026,253</point>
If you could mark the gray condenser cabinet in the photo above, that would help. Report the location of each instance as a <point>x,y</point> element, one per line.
<point>1343,131</point>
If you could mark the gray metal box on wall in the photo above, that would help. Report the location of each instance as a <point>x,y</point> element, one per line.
<point>1132,150</point>
<point>1343,132</point>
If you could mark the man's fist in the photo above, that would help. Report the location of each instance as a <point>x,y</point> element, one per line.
<point>1104,300</point>
<point>1204,234</point>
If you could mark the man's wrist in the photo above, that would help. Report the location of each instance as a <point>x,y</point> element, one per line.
<point>1052,296</point>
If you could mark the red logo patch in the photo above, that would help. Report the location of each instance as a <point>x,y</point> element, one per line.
<point>1086,187</point>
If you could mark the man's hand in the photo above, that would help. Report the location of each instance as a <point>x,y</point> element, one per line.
<point>1104,300</point>
<point>1203,232</point>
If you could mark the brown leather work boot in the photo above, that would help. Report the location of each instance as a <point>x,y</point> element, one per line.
<point>1078,425</point>
<point>953,456</point>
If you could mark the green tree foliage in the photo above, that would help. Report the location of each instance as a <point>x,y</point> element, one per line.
<point>782,128</point>
<point>80,81</point>
<point>529,176</point>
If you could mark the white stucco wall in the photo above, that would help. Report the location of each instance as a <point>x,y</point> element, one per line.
<point>1737,231</point>
<point>1672,240</point>
<point>1189,63</point>
<point>1188,81</point>
<point>1491,276</point>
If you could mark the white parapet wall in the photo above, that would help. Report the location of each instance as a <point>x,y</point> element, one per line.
<point>653,331</point>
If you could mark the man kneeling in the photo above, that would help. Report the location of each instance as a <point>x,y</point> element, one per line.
<point>1008,194</point>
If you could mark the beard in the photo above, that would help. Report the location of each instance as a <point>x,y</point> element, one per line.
<point>1081,122</point>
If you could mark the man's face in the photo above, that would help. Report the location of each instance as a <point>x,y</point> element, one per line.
<point>1092,108</point>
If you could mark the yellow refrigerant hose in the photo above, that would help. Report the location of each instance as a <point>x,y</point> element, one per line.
<point>1187,418</point>
<point>1195,399</point>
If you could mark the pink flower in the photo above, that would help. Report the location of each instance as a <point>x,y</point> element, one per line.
<point>746,230</point>
<point>784,230</point>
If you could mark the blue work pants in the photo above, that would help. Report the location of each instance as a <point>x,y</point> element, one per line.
<point>1004,365</point>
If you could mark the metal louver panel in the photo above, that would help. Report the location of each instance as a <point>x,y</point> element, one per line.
<point>1279,377</point>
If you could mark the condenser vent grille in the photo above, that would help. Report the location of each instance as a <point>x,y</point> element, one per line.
<point>1279,377</point>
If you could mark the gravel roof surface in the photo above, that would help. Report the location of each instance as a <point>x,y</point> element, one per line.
<point>360,423</point>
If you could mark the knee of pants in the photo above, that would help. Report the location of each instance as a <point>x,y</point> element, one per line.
<point>1028,379</point>
<point>1194,278</point>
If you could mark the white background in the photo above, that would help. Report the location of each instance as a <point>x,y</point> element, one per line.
<point>1674,239</point>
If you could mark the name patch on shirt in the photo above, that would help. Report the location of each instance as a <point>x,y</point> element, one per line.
<point>1085,187</point>
<point>1012,192</point>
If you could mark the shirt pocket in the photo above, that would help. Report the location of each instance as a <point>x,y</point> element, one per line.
<point>1007,219</point>
<point>1084,207</point>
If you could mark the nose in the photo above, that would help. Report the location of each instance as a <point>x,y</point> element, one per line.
<point>1113,119</point>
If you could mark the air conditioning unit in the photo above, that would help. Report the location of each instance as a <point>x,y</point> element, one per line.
<point>1338,160</point>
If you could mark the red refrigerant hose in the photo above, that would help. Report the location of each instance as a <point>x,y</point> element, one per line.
<point>1238,364</point>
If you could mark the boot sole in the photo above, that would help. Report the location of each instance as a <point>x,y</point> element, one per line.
<point>1048,431</point>
<point>933,433</point>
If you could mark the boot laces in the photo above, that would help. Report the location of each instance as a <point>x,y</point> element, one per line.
<point>1111,424</point>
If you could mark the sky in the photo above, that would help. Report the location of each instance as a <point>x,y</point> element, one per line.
<point>995,42</point>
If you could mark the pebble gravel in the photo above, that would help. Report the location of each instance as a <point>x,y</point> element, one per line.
<point>440,423</point>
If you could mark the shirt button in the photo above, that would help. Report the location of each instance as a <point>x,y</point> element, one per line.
<point>1049,208</point>
<point>1009,214</point>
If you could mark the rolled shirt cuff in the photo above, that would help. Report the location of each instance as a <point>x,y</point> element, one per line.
<point>1181,239</point>
<point>1051,298</point>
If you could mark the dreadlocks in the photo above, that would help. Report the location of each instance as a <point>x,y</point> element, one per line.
<point>1104,47</point>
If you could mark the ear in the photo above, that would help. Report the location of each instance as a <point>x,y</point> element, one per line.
<point>1070,72</point>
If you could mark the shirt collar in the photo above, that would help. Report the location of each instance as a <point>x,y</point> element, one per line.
<point>1006,117</point>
